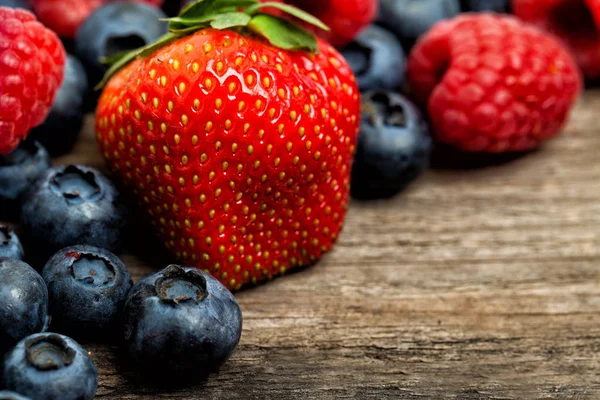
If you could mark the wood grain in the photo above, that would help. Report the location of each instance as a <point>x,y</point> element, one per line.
<point>473,284</point>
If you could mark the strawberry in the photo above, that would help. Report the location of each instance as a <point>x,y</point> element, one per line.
<point>237,143</point>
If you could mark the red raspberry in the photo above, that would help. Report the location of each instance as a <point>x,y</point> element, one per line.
<point>32,61</point>
<point>576,22</point>
<point>492,83</point>
<point>65,16</point>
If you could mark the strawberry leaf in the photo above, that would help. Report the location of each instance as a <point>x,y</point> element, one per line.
<point>184,31</point>
<point>162,41</point>
<point>229,20</point>
<point>117,65</point>
<point>177,22</point>
<point>293,11</point>
<point>204,7</point>
<point>110,60</point>
<point>119,60</point>
<point>225,14</point>
<point>195,9</point>
<point>282,33</point>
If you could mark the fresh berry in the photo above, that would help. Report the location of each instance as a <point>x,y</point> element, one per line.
<point>377,59</point>
<point>66,16</point>
<point>32,60</point>
<point>393,146</point>
<point>172,7</point>
<point>6,395</point>
<point>492,83</point>
<point>115,28</point>
<point>499,6</point>
<point>181,320</point>
<point>15,4</point>
<point>60,130</point>
<point>23,302</point>
<point>409,19</point>
<point>71,205</point>
<point>240,152</point>
<point>87,287</point>
<point>10,245</point>
<point>18,171</point>
<point>49,366</point>
<point>576,22</point>
<point>345,18</point>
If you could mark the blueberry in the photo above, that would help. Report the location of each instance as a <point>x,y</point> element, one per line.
<point>49,366</point>
<point>377,59</point>
<point>172,7</point>
<point>114,28</point>
<point>393,146</point>
<point>62,126</point>
<point>181,320</point>
<point>15,4</point>
<point>500,6</point>
<point>409,19</point>
<point>18,171</point>
<point>10,245</point>
<point>23,302</point>
<point>71,205</point>
<point>6,395</point>
<point>87,287</point>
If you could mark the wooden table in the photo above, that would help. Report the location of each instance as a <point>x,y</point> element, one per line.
<point>473,284</point>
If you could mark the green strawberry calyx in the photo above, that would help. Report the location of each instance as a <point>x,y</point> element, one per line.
<point>241,15</point>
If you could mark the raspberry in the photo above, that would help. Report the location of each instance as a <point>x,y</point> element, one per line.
<point>32,61</point>
<point>492,83</point>
<point>576,22</point>
<point>65,16</point>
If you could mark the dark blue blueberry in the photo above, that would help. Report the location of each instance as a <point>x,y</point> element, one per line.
<point>23,302</point>
<point>87,287</point>
<point>60,130</point>
<point>15,4</point>
<point>172,7</point>
<point>377,59</point>
<point>49,366</point>
<point>114,28</point>
<point>18,171</point>
<point>10,245</point>
<point>393,146</point>
<point>71,205</point>
<point>181,320</point>
<point>409,19</point>
<point>500,6</point>
<point>6,395</point>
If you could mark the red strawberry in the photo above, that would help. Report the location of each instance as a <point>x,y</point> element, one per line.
<point>32,61</point>
<point>65,16</point>
<point>239,151</point>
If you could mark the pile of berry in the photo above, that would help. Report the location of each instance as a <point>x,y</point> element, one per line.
<point>238,130</point>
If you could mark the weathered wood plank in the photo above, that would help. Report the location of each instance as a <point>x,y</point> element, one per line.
<point>473,284</point>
